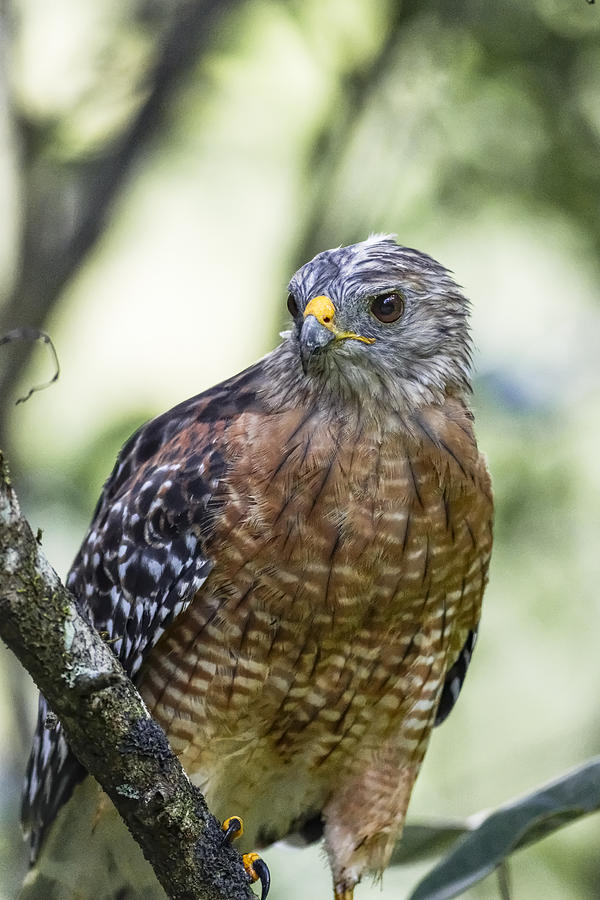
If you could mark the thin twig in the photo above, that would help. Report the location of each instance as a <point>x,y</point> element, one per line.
<point>503,875</point>
<point>26,333</point>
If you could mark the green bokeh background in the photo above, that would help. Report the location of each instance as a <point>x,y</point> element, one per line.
<point>469,129</point>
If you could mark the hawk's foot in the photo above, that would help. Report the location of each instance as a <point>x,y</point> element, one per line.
<point>233,828</point>
<point>257,869</point>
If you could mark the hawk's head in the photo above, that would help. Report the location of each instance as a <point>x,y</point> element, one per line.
<point>379,321</point>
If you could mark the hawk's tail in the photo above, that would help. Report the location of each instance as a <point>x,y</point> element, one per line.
<point>88,854</point>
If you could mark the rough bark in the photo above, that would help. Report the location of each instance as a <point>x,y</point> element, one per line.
<point>106,723</point>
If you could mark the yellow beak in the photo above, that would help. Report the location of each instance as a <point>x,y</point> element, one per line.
<point>324,312</point>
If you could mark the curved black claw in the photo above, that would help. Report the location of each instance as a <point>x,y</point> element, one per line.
<point>258,869</point>
<point>262,870</point>
<point>233,828</point>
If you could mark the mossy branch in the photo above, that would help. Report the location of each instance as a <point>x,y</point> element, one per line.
<point>106,723</point>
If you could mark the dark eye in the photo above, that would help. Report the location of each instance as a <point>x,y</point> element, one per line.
<point>387,307</point>
<point>292,306</point>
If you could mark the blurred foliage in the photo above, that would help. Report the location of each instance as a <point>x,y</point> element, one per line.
<point>164,167</point>
<point>520,823</point>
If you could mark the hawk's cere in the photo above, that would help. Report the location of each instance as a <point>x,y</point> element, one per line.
<point>290,565</point>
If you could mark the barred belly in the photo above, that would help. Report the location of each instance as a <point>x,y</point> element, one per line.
<point>305,651</point>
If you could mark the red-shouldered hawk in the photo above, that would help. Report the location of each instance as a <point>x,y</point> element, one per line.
<point>291,566</point>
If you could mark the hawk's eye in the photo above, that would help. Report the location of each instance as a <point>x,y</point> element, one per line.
<point>388,307</point>
<point>292,306</point>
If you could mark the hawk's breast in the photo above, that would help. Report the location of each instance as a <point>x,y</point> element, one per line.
<point>349,566</point>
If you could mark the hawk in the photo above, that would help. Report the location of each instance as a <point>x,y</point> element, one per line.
<point>290,566</point>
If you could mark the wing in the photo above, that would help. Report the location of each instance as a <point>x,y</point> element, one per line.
<point>455,677</point>
<point>145,556</point>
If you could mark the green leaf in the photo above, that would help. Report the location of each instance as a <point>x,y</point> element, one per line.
<point>431,838</point>
<point>515,825</point>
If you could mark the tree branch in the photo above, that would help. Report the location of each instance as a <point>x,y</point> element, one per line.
<point>106,723</point>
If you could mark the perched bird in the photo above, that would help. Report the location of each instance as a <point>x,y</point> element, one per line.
<point>290,566</point>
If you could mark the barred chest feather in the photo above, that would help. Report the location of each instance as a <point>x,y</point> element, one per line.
<point>350,567</point>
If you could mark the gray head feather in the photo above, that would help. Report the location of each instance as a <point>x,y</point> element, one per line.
<point>420,358</point>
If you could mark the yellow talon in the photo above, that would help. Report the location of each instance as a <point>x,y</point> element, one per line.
<point>249,860</point>
<point>233,827</point>
<point>256,868</point>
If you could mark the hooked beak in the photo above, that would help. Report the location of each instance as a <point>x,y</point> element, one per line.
<point>319,329</point>
<point>313,337</point>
